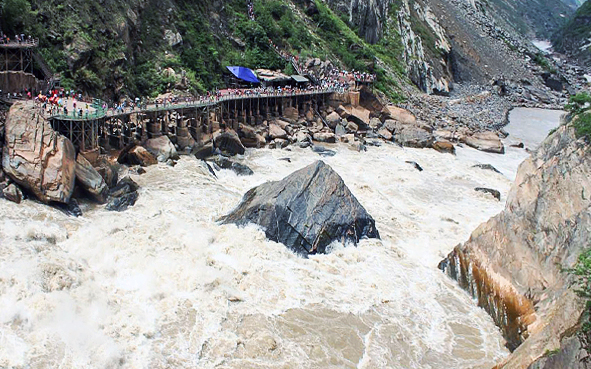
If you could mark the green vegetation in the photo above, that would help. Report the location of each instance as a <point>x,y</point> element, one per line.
<point>543,62</point>
<point>578,106</point>
<point>575,33</point>
<point>578,103</point>
<point>16,15</point>
<point>118,48</point>
<point>582,273</point>
<point>582,124</point>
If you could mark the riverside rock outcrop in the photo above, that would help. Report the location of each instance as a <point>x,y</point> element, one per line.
<point>306,211</point>
<point>37,158</point>
<point>514,263</point>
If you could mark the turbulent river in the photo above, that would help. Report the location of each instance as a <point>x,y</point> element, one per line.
<point>162,285</point>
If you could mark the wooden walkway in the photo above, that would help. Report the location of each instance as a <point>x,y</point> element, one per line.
<point>185,122</point>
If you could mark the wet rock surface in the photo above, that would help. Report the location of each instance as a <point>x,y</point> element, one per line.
<point>306,211</point>
<point>122,196</point>
<point>238,168</point>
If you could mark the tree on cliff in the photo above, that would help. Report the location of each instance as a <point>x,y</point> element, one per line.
<point>16,15</point>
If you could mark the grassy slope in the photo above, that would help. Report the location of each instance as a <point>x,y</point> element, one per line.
<point>576,34</point>
<point>114,48</point>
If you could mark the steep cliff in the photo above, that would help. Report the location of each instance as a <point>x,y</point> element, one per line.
<point>514,264</point>
<point>573,38</point>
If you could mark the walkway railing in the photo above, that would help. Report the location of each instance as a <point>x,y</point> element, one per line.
<point>34,42</point>
<point>201,102</point>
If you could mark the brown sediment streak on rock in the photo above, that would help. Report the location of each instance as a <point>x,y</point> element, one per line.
<point>514,263</point>
<point>511,311</point>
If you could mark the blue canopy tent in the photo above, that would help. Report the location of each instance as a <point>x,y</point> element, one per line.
<point>244,74</point>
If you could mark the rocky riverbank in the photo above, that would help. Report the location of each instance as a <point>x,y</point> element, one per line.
<point>46,165</point>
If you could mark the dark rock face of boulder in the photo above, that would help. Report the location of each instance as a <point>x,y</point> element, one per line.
<point>109,172</point>
<point>496,194</point>
<point>203,152</point>
<point>90,180</point>
<point>225,163</point>
<point>228,142</point>
<point>306,211</point>
<point>123,195</point>
<point>37,158</point>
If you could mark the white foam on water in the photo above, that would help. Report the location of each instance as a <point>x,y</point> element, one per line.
<point>163,285</point>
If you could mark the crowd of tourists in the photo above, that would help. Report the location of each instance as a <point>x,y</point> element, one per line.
<point>250,6</point>
<point>18,39</point>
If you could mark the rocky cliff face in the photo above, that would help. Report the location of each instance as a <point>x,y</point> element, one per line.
<point>513,264</point>
<point>424,43</point>
<point>573,38</point>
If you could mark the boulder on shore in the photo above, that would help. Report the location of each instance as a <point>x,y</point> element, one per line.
<point>36,157</point>
<point>90,180</point>
<point>414,136</point>
<point>306,211</point>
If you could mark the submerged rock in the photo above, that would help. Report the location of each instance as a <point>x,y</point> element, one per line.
<point>225,163</point>
<point>487,167</point>
<point>306,211</point>
<point>415,165</point>
<point>323,151</point>
<point>496,194</point>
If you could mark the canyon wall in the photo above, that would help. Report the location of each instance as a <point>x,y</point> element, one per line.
<point>514,263</point>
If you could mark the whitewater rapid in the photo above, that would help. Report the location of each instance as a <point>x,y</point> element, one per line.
<point>162,285</point>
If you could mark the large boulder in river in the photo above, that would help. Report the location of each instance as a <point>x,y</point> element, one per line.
<point>485,141</point>
<point>162,148</point>
<point>90,180</point>
<point>306,211</point>
<point>228,142</point>
<point>37,158</point>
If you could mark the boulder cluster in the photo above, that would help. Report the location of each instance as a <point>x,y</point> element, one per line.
<point>38,162</point>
